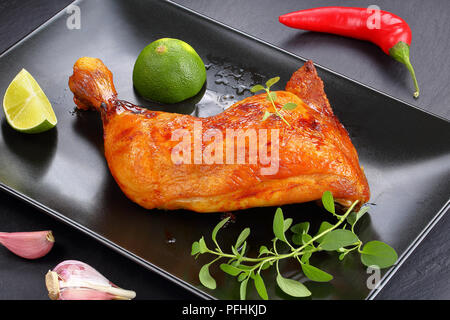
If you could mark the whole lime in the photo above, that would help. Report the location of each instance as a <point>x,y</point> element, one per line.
<point>169,71</point>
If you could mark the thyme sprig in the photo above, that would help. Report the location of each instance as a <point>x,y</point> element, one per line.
<point>339,237</point>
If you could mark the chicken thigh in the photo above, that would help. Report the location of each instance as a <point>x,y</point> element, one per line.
<point>174,161</point>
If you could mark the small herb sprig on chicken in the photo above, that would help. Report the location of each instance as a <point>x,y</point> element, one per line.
<point>272,97</point>
<point>339,237</point>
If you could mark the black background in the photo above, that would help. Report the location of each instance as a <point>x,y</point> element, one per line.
<point>426,272</point>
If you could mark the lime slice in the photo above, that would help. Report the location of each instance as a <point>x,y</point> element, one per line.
<point>26,106</point>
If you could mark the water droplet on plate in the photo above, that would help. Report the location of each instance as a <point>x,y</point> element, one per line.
<point>223,81</point>
<point>213,103</point>
<point>171,240</point>
<point>241,89</point>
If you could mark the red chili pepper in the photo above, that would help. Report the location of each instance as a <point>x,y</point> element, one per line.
<point>390,32</point>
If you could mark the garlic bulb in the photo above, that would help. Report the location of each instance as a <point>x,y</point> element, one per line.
<point>76,280</point>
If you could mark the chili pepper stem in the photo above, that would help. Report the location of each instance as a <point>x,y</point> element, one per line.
<point>400,52</point>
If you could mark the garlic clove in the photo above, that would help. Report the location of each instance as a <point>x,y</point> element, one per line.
<point>74,271</point>
<point>76,280</point>
<point>28,245</point>
<point>84,294</point>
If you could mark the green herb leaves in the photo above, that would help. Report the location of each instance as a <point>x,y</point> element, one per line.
<point>260,286</point>
<point>243,289</point>
<point>330,237</point>
<point>278,225</point>
<point>292,287</point>
<point>328,202</point>
<point>315,274</point>
<point>257,88</point>
<point>231,270</point>
<point>337,239</point>
<point>379,254</point>
<point>272,81</point>
<point>205,278</point>
<point>289,106</point>
<point>272,97</point>
<point>242,237</point>
<point>216,229</point>
<point>267,114</point>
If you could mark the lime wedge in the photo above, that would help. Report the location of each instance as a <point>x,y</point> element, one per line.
<point>26,106</point>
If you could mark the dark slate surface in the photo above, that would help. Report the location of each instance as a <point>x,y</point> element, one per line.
<point>426,272</point>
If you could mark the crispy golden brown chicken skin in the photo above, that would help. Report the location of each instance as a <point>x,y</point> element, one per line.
<point>314,151</point>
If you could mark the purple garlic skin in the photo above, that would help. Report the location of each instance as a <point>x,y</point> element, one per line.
<point>76,280</point>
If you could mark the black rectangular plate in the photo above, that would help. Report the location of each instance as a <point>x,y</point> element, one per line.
<point>405,151</point>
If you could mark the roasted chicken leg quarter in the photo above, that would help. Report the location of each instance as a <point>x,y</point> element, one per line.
<point>313,150</point>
